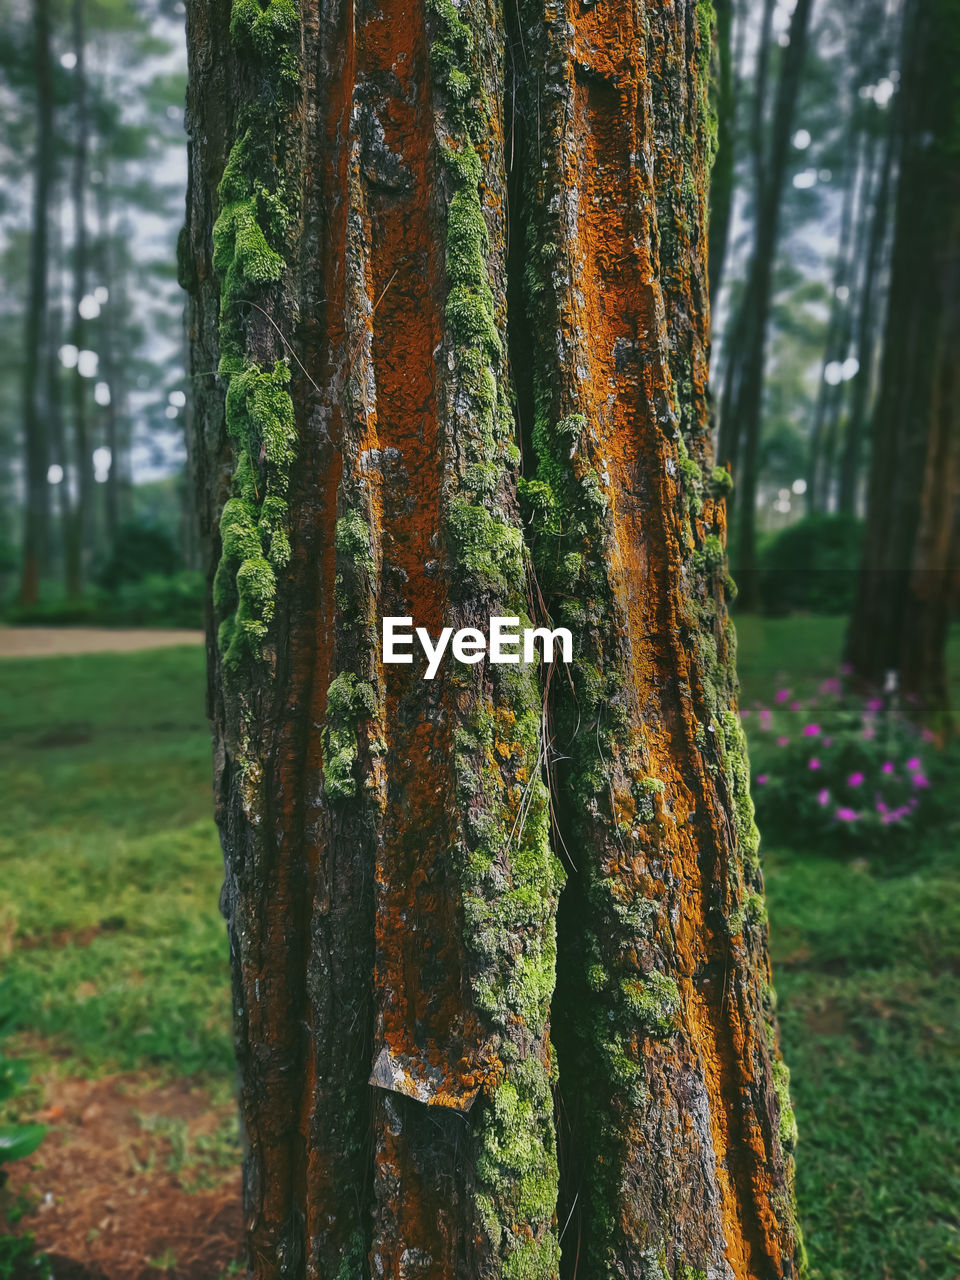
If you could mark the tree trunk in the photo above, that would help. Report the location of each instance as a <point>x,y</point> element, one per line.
<point>724,168</point>
<point>748,407</point>
<point>908,574</point>
<point>36,542</point>
<point>393,844</point>
<point>867,327</point>
<point>79,534</point>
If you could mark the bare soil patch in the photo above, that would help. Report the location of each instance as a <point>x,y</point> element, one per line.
<point>43,642</point>
<point>124,1187</point>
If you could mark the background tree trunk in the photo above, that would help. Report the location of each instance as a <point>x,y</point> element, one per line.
<point>748,406</point>
<point>36,542</point>
<point>78,539</point>
<point>391,844</point>
<point>908,575</point>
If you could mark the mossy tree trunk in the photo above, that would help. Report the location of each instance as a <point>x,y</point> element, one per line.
<point>368,186</point>
<point>910,570</point>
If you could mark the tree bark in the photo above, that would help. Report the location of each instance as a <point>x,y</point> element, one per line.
<point>393,845</point>
<point>36,542</point>
<point>908,575</point>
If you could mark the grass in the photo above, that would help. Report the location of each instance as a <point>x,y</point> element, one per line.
<point>111,870</point>
<point>866,954</point>
<point>110,862</point>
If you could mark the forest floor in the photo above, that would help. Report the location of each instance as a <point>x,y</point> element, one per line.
<point>115,957</point>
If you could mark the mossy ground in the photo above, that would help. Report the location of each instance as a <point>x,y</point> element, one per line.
<point>105,761</point>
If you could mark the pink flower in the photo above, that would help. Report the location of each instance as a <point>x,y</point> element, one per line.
<point>874,704</point>
<point>831,685</point>
<point>920,782</point>
<point>928,735</point>
<point>887,766</point>
<point>783,694</point>
<point>814,763</point>
<point>855,780</point>
<point>823,797</point>
<point>828,742</point>
<point>783,741</point>
<point>869,732</point>
<point>846,815</point>
<point>881,807</point>
<point>796,706</point>
<point>744,714</point>
<point>913,764</point>
<point>811,730</point>
<point>761,779</point>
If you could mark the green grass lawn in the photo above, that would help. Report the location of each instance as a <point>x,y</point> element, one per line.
<point>110,934</point>
<point>109,862</point>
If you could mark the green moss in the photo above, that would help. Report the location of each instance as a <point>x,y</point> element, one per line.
<point>254,542</point>
<point>348,700</point>
<point>787,1125</point>
<point>485,546</point>
<point>653,1001</point>
<point>352,540</point>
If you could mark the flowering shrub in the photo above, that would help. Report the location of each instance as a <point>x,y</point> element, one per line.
<point>838,765</point>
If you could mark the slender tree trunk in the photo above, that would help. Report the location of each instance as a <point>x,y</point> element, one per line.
<point>731,427</point>
<point>748,407</point>
<point>839,307</point>
<point>36,542</point>
<point>109,366</point>
<point>909,571</point>
<point>393,844</point>
<point>59,453</point>
<point>868,309</point>
<point>79,535</point>
<point>724,168</point>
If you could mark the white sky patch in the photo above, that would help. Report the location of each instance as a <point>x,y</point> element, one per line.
<point>805,179</point>
<point>88,364</point>
<point>802,139</point>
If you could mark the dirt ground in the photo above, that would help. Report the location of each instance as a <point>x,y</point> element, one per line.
<point>42,642</point>
<point>125,1187</point>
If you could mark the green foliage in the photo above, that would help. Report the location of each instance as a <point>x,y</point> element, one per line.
<point>16,1140</point>
<point>811,566</point>
<point>139,550</point>
<point>156,600</point>
<point>849,771</point>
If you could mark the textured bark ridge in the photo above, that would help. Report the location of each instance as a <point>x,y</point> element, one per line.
<point>392,847</point>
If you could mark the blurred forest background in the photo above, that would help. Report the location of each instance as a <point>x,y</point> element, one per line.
<point>835,187</point>
<point>95,519</point>
<point>92,398</point>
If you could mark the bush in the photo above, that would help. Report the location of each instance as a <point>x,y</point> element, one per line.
<point>837,767</point>
<point>174,600</point>
<point>812,566</point>
<point>159,600</point>
<point>140,550</point>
